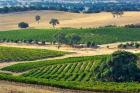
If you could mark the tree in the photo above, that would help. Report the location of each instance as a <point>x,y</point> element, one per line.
<point>60,38</point>
<point>121,66</point>
<point>117,13</point>
<point>93,44</point>
<point>114,14</point>
<point>137,45</point>
<point>121,13</point>
<point>5,9</point>
<point>89,44</point>
<point>23,25</point>
<point>54,22</point>
<point>73,39</point>
<point>37,18</point>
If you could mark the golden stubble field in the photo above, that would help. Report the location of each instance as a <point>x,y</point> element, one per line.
<point>75,20</point>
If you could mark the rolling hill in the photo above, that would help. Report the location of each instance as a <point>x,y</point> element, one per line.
<point>74,20</point>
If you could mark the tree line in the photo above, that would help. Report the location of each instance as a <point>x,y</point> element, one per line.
<point>77,8</point>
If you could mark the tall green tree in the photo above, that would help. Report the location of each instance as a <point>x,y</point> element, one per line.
<point>60,38</point>
<point>73,39</point>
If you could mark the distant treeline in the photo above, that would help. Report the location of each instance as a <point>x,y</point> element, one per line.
<point>77,8</point>
<point>133,26</point>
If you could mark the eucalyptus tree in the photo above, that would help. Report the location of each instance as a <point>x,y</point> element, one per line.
<point>54,22</point>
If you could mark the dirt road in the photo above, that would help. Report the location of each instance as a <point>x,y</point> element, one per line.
<point>12,87</point>
<point>9,87</point>
<point>76,52</point>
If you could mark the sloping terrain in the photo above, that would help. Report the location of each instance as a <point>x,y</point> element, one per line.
<point>102,35</point>
<point>9,54</point>
<point>76,20</point>
<point>73,73</point>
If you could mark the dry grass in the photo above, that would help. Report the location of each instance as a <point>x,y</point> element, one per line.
<point>10,21</point>
<point>9,87</point>
<point>12,87</point>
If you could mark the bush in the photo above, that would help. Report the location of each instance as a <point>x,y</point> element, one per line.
<point>129,45</point>
<point>73,38</point>
<point>23,25</point>
<point>133,26</point>
<point>89,44</point>
<point>121,66</point>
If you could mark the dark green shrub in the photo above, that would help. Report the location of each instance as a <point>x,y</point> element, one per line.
<point>89,44</point>
<point>23,25</point>
<point>119,67</point>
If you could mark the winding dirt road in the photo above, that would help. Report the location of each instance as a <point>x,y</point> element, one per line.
<point>75,52</point>
<point>11,87</point>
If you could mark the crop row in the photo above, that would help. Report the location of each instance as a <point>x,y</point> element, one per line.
<point>8,54</point>
<point>96,86</point>
<point>21,67</point>
<point>76,71</point>
<point>73,73</point>
<point>81,71</point>
<point>98,35</point>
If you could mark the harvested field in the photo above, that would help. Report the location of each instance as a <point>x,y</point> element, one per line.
<point>75,20</point>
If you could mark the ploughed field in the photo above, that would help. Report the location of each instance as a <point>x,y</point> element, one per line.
<point>8,54</point>
<point>73,73</point>
<point>97,35</point>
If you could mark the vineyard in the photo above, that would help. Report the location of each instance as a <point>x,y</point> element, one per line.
<point>97,35</point>
<point>95,86</point>
<point>74,73</point>
<point>21,67</point>
<point>8,54</point>
<point>81,71</point>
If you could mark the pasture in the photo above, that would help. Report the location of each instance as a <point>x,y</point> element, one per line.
<point>74,20</point>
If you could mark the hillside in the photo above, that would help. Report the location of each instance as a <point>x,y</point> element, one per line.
<point>103,35</point>
<point>9,54</point>
<point>73,73</point>
<point>75,20</point>
<point>69,46</point>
